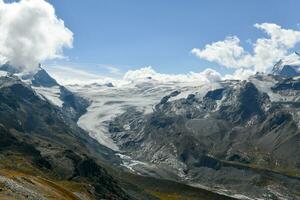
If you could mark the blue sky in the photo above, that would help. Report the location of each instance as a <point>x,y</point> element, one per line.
<point>132,34</point>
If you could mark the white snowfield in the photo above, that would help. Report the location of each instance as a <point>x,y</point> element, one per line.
<point>51,94</point>
<point>109,102</point>
<point>3,73</point>
<point>292,59</point>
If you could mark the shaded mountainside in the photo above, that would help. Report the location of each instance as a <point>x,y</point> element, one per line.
<point>236,139</point>
<point>37,134</point>
<point>48,88</point>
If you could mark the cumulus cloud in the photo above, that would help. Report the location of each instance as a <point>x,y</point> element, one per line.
<point>148,73</point>
<point>66,75</point>
<point>30,32</point>
<point>239,74</point>
<point>266,51</point>
<point>227,52</point>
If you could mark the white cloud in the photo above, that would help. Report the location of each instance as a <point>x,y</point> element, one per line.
<point>148,73</point>
<point>66,75</point>
<point>240,74</point>
<point>227,52</point>
<point>30,33</point>
<point>266,51</point>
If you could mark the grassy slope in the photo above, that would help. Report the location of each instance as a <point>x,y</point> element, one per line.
<point>18,169</point>
<point>169,190</point>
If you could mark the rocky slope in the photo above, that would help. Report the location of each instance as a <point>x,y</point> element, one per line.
<point>240,138</point>
<point>36,133</point>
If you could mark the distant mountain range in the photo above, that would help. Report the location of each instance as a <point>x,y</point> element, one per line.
<point>229,139</point>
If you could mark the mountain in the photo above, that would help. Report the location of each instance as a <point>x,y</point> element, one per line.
<point>36,133</point>
<point>234,139</point>
<point>45,155</point>
<point>48,88</point>
<point>288,66</point>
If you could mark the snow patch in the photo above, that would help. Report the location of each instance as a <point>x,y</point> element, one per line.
<point>265,85</point>
<point>129,163</point>
<point>3,73</point>
<point>51,94</point>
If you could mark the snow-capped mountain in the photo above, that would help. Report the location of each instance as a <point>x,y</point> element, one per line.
<point>48,89</point>
<point>288,66</point>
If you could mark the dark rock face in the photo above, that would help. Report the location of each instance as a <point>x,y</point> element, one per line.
<point>287,84</point>
<point>289,71</point>
<point>42,78</point>
<point>109,85</point>
<point>231,137</point>
<point>8,68</point>
<point>215,94</point>
<point>243,104</point>
<point>74,106</point>
<point>164,100</point>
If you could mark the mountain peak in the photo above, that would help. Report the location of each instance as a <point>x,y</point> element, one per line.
<point>37,78</point>
<point>289,66</point>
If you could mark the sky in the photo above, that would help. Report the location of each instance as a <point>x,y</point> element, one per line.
<point>110,37</point>
<point>132,34</point>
